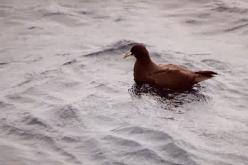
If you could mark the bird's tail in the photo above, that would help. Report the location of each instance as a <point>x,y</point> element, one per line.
<point>204,75</point>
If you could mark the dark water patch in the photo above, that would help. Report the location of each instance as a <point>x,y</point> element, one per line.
<point>31,27</point>
<point>70,62</point>
<point>28,80</point>
<point>34,28</point>
<point>192,17</point>
<point>50,73</point>
<point>168,98</point>
<point>4,6</point>
<point>3,63</point>
<point>31,120</point>
<point>62,54</point>
<point>71,139</point>
<point>36,121</point>
<point>94,15</point>
<point>113,163</point>
<point>53,13</point>
<point>203,15</point>
<point>101,17</point>
<point>26,134</point>
<point>119,19</point>
<point>3,104</point>
<point>62,83</point>
<point>193,21</point>
<point>19,98</point>
<point>236,27</point>
<point>199,54</point>
<point>68,112</point>
<point>223,7</point>
<point>86,12</point>
<point>3,13</point>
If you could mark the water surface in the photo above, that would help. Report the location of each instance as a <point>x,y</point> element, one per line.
<point>67,96</point>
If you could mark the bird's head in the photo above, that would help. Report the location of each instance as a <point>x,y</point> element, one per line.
<point>139,51</point>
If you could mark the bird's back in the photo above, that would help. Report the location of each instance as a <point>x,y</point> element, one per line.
<point>173,76</point>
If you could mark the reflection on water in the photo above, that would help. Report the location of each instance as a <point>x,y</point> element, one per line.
<point>169,98</point>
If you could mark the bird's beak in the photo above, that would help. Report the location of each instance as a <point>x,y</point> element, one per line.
<point>127,54</point>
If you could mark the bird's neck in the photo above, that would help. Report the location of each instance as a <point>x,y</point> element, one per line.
<point>144,60</point>
<point>142,69</point>
<point>144,64</point>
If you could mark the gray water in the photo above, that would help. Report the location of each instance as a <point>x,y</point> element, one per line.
<point>67,96</point>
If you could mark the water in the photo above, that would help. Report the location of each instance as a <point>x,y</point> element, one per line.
<point>68,97</point>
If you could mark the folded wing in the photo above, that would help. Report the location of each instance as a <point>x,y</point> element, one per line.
<point>173,76</point>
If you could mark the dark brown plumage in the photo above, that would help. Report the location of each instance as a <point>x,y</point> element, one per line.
<point>164,75</point>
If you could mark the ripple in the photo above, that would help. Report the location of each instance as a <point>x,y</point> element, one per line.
<point>117,46</point>
<point>121,142</point>
<point>216,64</point>
<point>237,27</point>
<point>68,112</point>
<point>31,120</point>
<point>146,156</point>
<point>48,141</point>
<point>70,62</point>
<point>168,98</point>
<point>220,6</point>
<point>141,132</point>
<point>177,154</point>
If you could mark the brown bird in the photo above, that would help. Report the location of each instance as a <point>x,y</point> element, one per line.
<point>164,75</point>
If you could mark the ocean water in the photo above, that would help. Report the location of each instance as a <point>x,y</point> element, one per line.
<point>68,97</point>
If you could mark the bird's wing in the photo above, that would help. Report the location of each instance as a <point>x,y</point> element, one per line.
<point>172,67</point>
<point>172,76</point>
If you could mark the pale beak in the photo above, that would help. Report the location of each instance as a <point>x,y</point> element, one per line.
<point>127,54</point>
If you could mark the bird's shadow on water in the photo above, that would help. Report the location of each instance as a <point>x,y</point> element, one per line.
<point>169,99</point>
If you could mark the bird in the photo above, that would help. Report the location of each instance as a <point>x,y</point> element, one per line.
<point>170,76</point>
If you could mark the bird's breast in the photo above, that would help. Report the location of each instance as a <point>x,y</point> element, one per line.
<point>142,72</point>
